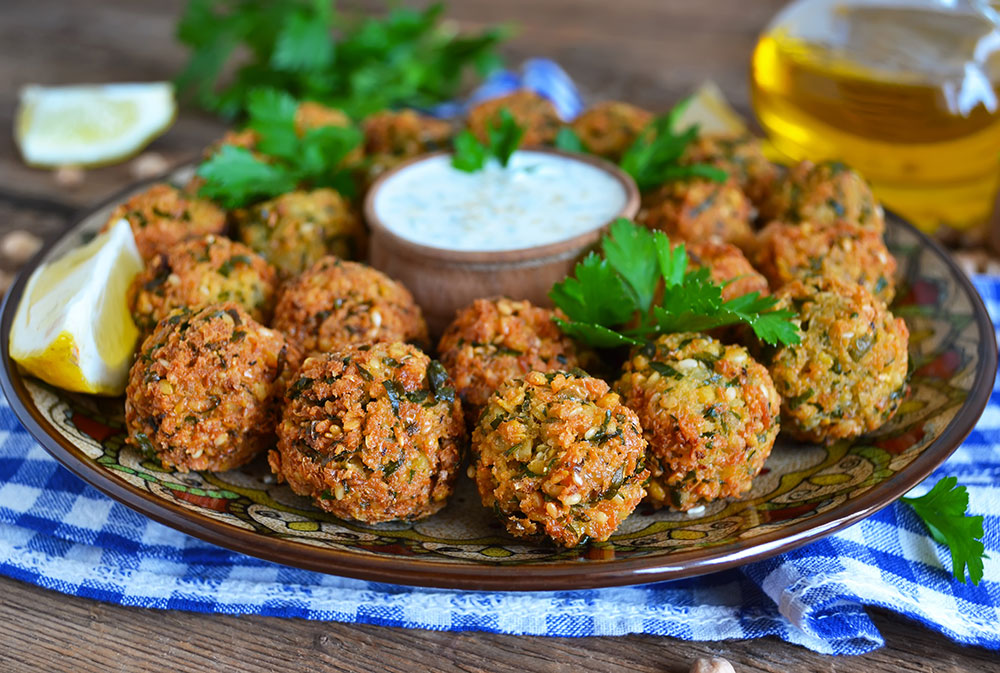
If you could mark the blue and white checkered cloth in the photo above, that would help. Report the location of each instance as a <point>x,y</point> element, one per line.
<point>58,533</point>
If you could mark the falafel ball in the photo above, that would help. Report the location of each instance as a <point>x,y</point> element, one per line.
<point>532,112</point>
<point>372,433</point>
<point>741,156</point>
<point>311,115</point>
<point>609,128</point>
<point>295,229</point>
<point>559,454</point>
<point>336,304</point>
<point>494,340</point>
<point>709,412</point>
<point>163,215</point>
<point>392,137</point>
<point>727,265</point>
<point>823,193</point>
<point>199,272</point>
<point>404,133</point>
<point>246,139</point>
<point>848,375</point>
<point>699,210</point>
<point>842,249</point>
<point>204,392</point>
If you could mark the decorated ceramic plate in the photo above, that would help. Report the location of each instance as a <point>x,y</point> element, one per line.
<point>803,493</point>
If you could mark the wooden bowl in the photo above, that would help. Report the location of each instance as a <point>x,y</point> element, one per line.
<point>443,281</point>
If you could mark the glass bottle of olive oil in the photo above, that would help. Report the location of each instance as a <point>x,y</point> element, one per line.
<point>905,91</point>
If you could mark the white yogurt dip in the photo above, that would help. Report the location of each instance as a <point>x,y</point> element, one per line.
<point>539,198</point>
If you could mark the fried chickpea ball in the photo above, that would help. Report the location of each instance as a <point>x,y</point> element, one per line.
<point>558,454</point>
<point>246,139</point>
<point>843,250</point>
<point>741,156</point>
<point>204,392</point>
<point>727,264</point>
<point>848,375</point>
<point>336,304</point>
<point>163,215</point>
<point>823,193</point>
<point>294,230</point>
<point>404,133</point>
<point>709,412</point>
<point>494,340</point>
<point>535,114</point>
<point>699,210</point>
<point>372,433</point>
<point>311,115</point>
<point>199,272</point>
<point>392,137</point>
<point>609,128</point>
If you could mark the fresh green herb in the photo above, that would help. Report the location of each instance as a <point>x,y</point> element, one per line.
<point>394,392</point>
<point>406,58</point>
<point>437,375</point>
<point>237,177</point>
<point>300,386</point>
<point>470,155</point>
<point>942,510</point>
<point>568,141</point>
<point>504,135</point>
<point>654,157</point>
<point>227,267</point>
<point>608,293</point>
<point>391,467</point>
<point>146,446</point>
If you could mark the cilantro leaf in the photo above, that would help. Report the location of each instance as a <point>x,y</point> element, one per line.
<point>505,136</point>
<point>771,326</point>
<point>470,155</point>
<point>285,160</point>
<point>943,511</point>
<point>632,252</point>
<point>597,294</point>
<point>404,58</point>
<point>272,116</point>
<point>595,335</point>
<point>654,157</point>
<point>673,260</point>
<point>568,141</point>
<point>305,41</point>
<point>234,177</point>
<point>605,295</point>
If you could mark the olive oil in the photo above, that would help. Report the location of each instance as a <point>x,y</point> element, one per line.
<point>905,95</point>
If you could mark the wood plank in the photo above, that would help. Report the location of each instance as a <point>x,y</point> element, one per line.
<point>91,637</point>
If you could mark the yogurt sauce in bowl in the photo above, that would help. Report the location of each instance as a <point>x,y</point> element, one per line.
<point>538,199</point>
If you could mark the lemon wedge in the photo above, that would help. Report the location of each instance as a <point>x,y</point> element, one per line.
<point>73,328</point>
<point>91,124</point>
<point>709,108</point>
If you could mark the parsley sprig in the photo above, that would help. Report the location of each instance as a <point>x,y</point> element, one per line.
<point>408,57</point>
<point>654,158</point>
<point>620,288</point>
<point>942,509</point>
<point>503,135</point>
<point>286,159</point>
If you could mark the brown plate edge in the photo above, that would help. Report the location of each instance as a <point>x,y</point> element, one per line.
<point>556,576</point>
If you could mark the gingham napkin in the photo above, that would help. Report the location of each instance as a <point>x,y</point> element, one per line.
<point>58,533</point>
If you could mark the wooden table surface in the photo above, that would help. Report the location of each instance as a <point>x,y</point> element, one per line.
<point>648,51</point>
